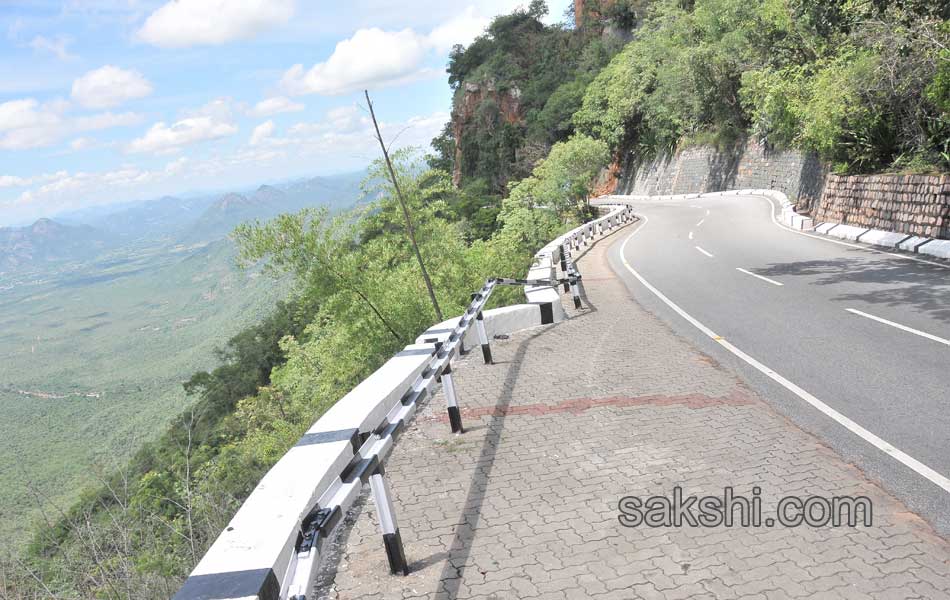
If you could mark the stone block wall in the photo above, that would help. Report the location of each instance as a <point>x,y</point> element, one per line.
<point>707,169</point>
<point>911,204</point>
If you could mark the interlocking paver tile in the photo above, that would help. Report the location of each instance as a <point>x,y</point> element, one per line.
<point>609,403</point>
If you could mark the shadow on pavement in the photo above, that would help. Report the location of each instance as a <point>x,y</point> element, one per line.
<point>459,551</point>
<point>888,282</point>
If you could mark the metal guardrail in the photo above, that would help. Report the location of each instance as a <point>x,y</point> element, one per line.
<point>269,551</point>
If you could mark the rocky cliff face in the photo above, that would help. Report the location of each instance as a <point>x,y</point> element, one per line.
<point>464,112</point>
<point>588,12</point>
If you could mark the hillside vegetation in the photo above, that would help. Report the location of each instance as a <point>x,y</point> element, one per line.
<point>538,112</point>
<point>865,84</point>
<point>357,298</point>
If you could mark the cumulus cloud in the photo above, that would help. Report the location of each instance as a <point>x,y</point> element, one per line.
<point>109,86</point>
<point>182,23</point>
<point>261,133</point>
<point>26,124</point>
<point>377,58</point>
<point>276,105</point>
<point>371,58</point>
<point>162,138</point>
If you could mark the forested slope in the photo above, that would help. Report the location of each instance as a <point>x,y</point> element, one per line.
<point>538,112</point>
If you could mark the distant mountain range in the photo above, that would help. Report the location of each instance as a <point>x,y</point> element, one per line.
<point>168,220</point>
<point>46,241</point>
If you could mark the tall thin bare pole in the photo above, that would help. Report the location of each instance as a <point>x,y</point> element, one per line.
<point>405,211</point>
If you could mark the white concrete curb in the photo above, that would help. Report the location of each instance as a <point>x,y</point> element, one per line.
<point>793,220</point>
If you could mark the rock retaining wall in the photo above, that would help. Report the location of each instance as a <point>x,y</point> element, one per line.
<point>749,165</point>
<point>909,204</point>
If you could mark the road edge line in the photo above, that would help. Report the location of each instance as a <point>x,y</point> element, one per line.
<point>882,445</point>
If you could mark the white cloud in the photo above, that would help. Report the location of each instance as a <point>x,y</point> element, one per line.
<point>276,105</point>
<point>261,133</point>
<point>13,181</point>
<point>58,46</point>
<point>376,58</point>
<point>371,58</point>
<point>161,138</point>
<point>63,190</point>
<point>17,114</point>
<point>462,29</point>
<point>109,86</point>
<point>343,139</point>
<point>28,124</point>
<point>182,23</point>
<point>345,131</point>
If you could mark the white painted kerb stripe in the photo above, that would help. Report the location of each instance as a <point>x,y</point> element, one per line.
<point>704,252</point>
<point>885,447</point>
<point>924,334</point>
<point>766,279</point>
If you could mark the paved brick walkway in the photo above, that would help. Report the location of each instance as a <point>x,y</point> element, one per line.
<point>611,403</point>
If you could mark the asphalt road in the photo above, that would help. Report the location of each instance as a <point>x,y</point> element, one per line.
<point>854,345</point>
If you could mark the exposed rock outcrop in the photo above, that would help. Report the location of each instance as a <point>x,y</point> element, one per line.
<point>472,96</point>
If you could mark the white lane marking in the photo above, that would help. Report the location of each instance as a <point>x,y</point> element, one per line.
<point>939,340</point>
<point>707,212</point>
<point>766,279</point>
<point>704,252</point>
<point>701,221</point>
<point>695,206</point>
<point>885,447</point>
<point>848,244</point>
<point>690,235</point>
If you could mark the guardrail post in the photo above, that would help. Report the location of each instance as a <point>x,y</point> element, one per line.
<point>382,497</point>
<point>455,417</point>
<point>574,292</point>
<point>483,337</point>
<point>564,265</point>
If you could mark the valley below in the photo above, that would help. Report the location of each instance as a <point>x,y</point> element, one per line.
<point>96,342</point>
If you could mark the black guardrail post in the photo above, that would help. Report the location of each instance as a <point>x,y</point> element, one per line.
<point>482,335</point>
<point>451,399</point>
<point>564,264</point>
<point>382,497</point>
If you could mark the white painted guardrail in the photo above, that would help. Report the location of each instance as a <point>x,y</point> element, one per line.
<point>271,549</point>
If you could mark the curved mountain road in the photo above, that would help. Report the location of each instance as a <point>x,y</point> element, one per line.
<point>851,343</point>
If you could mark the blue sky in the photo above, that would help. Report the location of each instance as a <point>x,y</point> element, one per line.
<point>105,101</point>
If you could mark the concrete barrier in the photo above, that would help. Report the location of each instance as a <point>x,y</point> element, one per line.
<point>848,232</point>
<point>912,243</point>
<point>936,248</point>
<point>884,239</point>
<point>273,545</point>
